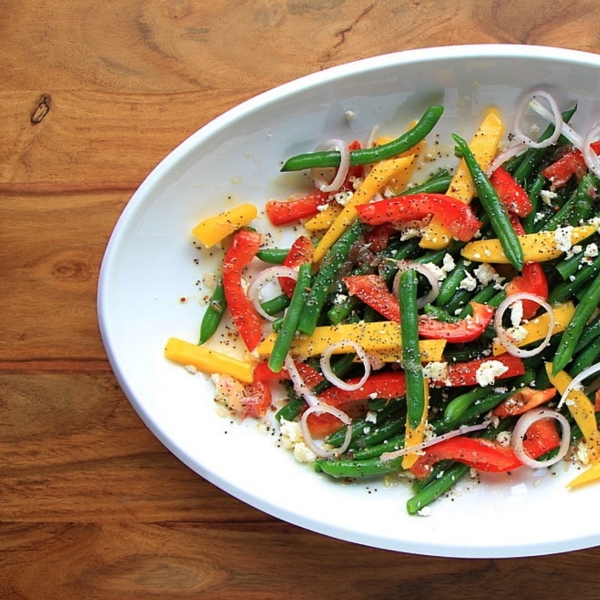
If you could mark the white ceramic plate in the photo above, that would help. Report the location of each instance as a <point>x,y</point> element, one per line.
<point>150,265</point>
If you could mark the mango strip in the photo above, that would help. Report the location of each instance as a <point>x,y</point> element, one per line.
<point>537,247</point>
<point>484,146</point>
<point>416,436</point>
<point>537,328</point>
<point>215,229</point>
<point>582,410</point>
<point>377,336</point>
<point>208,361</point>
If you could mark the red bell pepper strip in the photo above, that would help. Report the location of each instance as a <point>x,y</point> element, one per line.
<point>300,253</point>
<point>243,249</point>
<point>373,291</point>
<point>571,163</point>
<point>465,330</point>
<point>378,238</point>
<point>523,400</point>
<point>511,193</point>
<point>541,437</point>
<point>455,215</point>
<point>465,373</point>
<point>532,280</point>
<point>283,212</point>
<point>257,401</point>
<point>479,453</point>
<point>355,403</point>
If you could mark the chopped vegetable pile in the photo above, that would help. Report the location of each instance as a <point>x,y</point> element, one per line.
<point>427,330</point>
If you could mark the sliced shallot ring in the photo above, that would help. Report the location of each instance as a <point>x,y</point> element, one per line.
<point>342,170</point>
<point>506,155</point>
<point>567,131</point>
<point>525,421</point>
<point>462,430</point>
<point>501,331</point>
<point>300,386</point>
<point>263,278</point>
<point>555,117</point>
<point>592,160</point>
<point>577,381</point>
<point>319,408</point>
<point>328,373</point>
<point>431,277</point>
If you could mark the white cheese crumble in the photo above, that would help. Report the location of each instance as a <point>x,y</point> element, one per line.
<point>562,237</point>
<point>548,197</point>
<point>469,282</point>
<point>438,371</point>
<point>292,439</point>
<point>485,274</point>
<point>488,371</point>
<point>516,313</point>
<point>591,250</point>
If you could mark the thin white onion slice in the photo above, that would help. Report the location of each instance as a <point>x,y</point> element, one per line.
<point>431,277</point>
<point>300,386</point>
<point>566,130</point>
<point>592,160</point>
<point>328,373</point>
<point>506,155</point>
<point>525,421</point>
<point>320,451</point>
<point>462,430</point>
<point>577,382</point>
<point>503,335</point>
<point>264,278</point>
<point>555,117</point>
<point>342,170</point>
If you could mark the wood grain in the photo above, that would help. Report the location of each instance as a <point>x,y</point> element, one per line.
<point>92,96</point>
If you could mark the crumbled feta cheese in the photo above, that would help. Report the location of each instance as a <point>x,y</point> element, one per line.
<point>303,454</point>
<point>426,511</point>
<point>503,438</point>
<point>582,453</point>
<point>516,313</point>
<point>191,369</point>
<point>517,334</point>
<point>292,439</point>
<point>562,237</point>
<point>448,263</point>
<point>438,371</point>
<point>548,197</point>
<point>371,417</point>
<point>349,114</point>
<point>488,371</point>
<point>469,282</point>
<point>343,198</point>
<point>591,250</point>
<point>485,274</point>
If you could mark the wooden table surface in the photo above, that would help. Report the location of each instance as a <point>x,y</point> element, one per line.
<point>92,96</point>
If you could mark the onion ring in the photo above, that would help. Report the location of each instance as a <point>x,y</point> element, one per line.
<point>506,155</point>
<point>431,277</point>
<point>321,407</point>
<point>525,422</point>
<point>555,117</point>
<point>332,377</point>
<point>342,171</point>
<point>265,277</point>
<point>299,386</point>
<point>501,331</point>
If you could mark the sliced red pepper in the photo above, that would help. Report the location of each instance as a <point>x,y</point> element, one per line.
<point>243,249</point>
<point>571,163</point>
<point>532,280</point>
<point>478,453</point>
<point>523,400</point>
<point>465,330</point>
<point>465,373</point>
<point>373,291</point>
<point>355,403</point>
<point>455,215</point>
<point>511,193</point>
<point>541,437</point>
<point>379,237</point>
<point>300,253</point>
<point>284,212</point>
<point>257,401</point>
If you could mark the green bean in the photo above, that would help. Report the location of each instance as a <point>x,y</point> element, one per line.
<point>436,488</point>
<point>274,256</point>
<point>451,283</point>
<point>351,469</point>
<point>457,406</point>
<point>459,300</point>
<point>577,208</point>
<point>335,258</point>
<point>411,356</point>
<point>214,312</point>
<point>488,197</point>
<point>567,289</point>
<point>369,155</point>
<point>438,184</point>
<point>534,192</point>
<point>291,410</point>
<point>289,326</point>
<point>585,357</point>
<point>276,305</point>
<point>592,331</point>
<point>583,312</point>
<point>391,445</point>
<point>440,314</point>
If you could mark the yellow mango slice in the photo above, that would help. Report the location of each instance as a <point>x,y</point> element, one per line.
<point>216,228</point>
